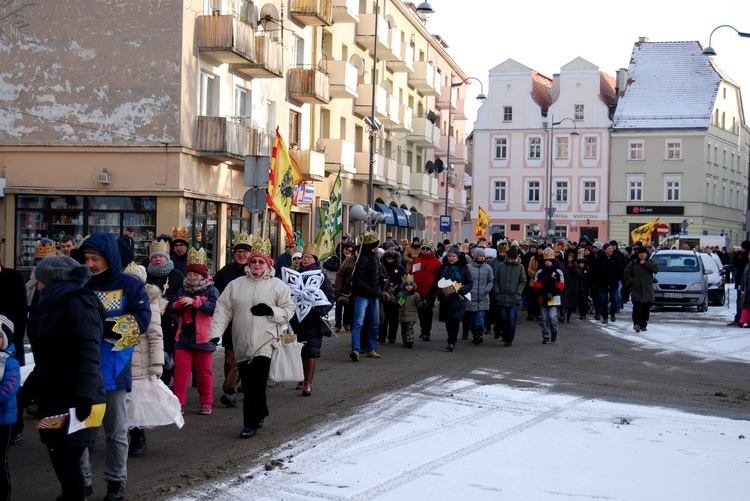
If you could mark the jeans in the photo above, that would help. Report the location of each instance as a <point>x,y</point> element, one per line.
<point>549,321</point>
<point>361,307</point>
<point>116,430</point>
<point>607,303</point>
<point>66,460</point>
<point>183,363</point>
<point>508,315</point>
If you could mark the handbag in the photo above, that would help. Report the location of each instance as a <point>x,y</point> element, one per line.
<point>286,360</point>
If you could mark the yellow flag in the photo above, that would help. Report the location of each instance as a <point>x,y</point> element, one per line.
<point>643,232</point>
<point>282,179</point>
<point>483,221</point>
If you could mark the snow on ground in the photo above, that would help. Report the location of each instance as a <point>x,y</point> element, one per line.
<point>460,440</point>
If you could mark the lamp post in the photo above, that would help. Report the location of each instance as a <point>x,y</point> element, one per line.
<point>709,51</point>
<point>480,97</point>
<point>549,211</point>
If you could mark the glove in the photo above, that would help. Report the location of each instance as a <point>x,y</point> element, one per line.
<point>215,341</point>
<point>549,296</point>
<point>261,309</point>
<point>83,408</point>
<point>156,370</point>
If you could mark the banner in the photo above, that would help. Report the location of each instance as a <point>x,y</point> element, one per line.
<point>483,221</point>
<point>330,222</point>
<point>282,179</point>
<point>643,232</point>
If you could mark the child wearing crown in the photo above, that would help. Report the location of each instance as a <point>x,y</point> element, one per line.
<point>194,309</point>
<point>408,302</point>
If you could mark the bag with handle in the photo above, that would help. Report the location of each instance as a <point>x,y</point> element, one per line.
<point>286,360</point>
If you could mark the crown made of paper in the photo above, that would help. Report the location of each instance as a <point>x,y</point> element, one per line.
<point>198,256</point>
<point>370,237</point>
<point>136,270</point>
<point>549,253</point>
<point>180,233</point>
<point>45,248</point>
<point>407,278</point>
<point>261,245</point>
<point>242,239</point>
<point>311,249</point>
<point>159,246</point>
<point>429,243</point>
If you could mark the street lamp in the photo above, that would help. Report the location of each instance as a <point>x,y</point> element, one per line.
<point>549,211</point>
<point>480,97</point>
<point>709,51</point>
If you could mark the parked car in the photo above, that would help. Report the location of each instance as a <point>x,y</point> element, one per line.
<point>717,293</point>
<point>682,279</point>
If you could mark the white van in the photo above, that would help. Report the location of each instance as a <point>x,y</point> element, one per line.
<point>696,242</point>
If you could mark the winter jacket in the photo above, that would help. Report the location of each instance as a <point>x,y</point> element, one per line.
<point>11,382</point>
<point>251,333</point>
<point>395,271</point>
<point>481,275</point>
<point>366,277</point>
<point>408,311</point>
<point>453,306</point>
<point>121,294</point>
<point>509,283</point>
<point>222,278</point>
<point>410,254</point>
<point>548,281</point>
<point>640,278</point>
<point>126,246</point>
<point>344,277</point>
<point>425,268</point>
<point>169,285</point>
<point>607,272</point>
<point>571,273</point>
<point>311,329</point>
<point>180,262</point>
<point>195,320</point>
<point>14,305</point>
<point>148,356</point>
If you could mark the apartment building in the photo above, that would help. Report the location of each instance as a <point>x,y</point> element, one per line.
<point>679,145</point>
<point>541,151</point>
<point>151,117</point>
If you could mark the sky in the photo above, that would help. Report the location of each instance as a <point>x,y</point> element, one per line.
<point>444,439</point>
<point>547,34</point>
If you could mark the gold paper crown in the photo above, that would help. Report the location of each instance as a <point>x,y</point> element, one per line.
<point>311,249</point>
<point>44,250</point>
<point>428,242</point>
<point>261,245</point>
<point>368,238</point>
<point>407,278</point>
<point>159,246</point>
<point>179,233</point>
<point>242,239</point>
<point>549,253</point>
<point>197,256</point>
<point>134,268</point>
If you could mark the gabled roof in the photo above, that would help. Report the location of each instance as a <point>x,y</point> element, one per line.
<point>671,85</point>
<point>541,86</point>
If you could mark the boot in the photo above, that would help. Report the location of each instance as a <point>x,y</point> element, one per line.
<point>137,445</point>
<point>308,365</point>
<point>477,332</point>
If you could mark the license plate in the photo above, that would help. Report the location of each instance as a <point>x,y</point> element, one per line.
<point>673,295</point>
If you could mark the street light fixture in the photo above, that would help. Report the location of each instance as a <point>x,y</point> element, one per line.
<point>709,51</point>
<point>480,97</point>
<point>549,211</point>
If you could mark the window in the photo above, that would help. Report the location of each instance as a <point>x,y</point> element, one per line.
<point>499,191</point>
<point>507,113</point>
<point>716,155</point>
<point>535,148</point>
<point>635,191</point>
<point>298,51</point>
<point>589,192</point>
<point>533,191</point>
<point>708,153</point>
<point>501,148</point>
<point>731,164</point>
<point>528,230</point>
<point>496,228</point>
<point>591,147</point>
<point>724,160</point>
<point>561,191</point>
<point>672,190</point>
<point>209,105</point>
<point>561,231</point>
<point>294,128</point>
<point>635,150</point>
<point>562,147</point>
<point>674,149</point>
<point>241,108</point>
<point>578,112</point>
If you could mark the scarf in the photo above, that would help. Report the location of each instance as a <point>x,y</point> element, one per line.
<point>196,286</point>
<point>53,293</point>
<point>268,273</point>
<point>451,273</point>
<point>162,270</point>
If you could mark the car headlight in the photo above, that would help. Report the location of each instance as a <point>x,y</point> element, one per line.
<point>697,286</point>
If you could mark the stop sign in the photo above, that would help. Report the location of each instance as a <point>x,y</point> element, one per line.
<point>662,229</point>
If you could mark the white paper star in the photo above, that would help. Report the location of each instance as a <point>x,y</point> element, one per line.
<point>305,288</point>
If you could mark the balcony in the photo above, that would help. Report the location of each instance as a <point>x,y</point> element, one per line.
<point>405,118</point>
<point>459,111</point>
<point>345,11</point>
<point>363,102</point>
<point>391,108</point>
<point>267,59</point>
<point>460,154</point>
<point>366,35</point>
<point>435,192</point>
<point>224,139</point>
<point>442,150</point>
<point>444,100</point>
<point>424,133</point>
<point>312,12</point>
<point>339,154</point>
<point>456,198</point>
<point>226,38</point>
<point>383,172</point>
<point>312,164</point>
<point>404,62</point>
<point>403,177</point>
<point>425,78</point>
<point>308,85</point>
<point>342,79</point>
<point>420,184</point>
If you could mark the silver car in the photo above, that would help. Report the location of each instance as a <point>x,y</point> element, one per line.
<point>682,279</point>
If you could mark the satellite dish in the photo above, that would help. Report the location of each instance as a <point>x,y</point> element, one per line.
<point>429,167</point>
<point>439,166</point>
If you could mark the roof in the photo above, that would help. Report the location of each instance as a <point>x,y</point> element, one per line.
<point>541,87</point>
<point>671,85</point>
<point>607,90</point>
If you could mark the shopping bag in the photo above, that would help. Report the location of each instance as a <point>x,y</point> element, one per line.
<point>286,361</point>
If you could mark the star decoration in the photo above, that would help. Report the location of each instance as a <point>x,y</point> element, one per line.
<point>305,288</point>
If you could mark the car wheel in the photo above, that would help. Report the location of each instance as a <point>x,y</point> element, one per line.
<point>723,298</point>
<point>704,307</point>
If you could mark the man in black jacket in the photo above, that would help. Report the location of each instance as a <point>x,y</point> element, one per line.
<point>739,261</point>
<point>608,275</point>
<point>366,288</point>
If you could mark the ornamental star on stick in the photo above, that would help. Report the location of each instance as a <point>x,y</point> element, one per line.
<point>305,289</point>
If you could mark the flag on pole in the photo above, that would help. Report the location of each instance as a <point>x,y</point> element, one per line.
<point>330,222</point>
<point>643,232</point>
<point>483,221</point>
<point>282,179</point>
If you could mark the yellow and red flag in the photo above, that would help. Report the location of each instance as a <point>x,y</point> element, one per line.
<point>643,232</point>
<point>483,222</point>
<point>282,179</point>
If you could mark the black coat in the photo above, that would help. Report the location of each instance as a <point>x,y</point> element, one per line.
<point>174,279</point>
<point>312,329</point>
<point>67,363</point>
<point>367,277</point>
<point>13,305</point>
<point>453,307</point>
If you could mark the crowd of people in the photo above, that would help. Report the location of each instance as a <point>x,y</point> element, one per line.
<point>107,330</point>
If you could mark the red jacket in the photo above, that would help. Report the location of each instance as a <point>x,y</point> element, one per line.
<point>426,266</point>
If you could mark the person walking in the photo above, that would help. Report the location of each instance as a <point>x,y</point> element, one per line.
<point>409,303</point>
<point>258,305</point>
<point>509,285</point>
<point>367,283</point>
<point>476,309</point>
<point>608,274</point>
<point>453,301</point>
<point>425,268</point>
<point>639,277</point>
<point>549,283</point>
<point>389,324</point>
<point>126,246</point>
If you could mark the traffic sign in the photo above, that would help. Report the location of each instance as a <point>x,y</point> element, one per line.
<point>445,223</point>
<point>662,229</point>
